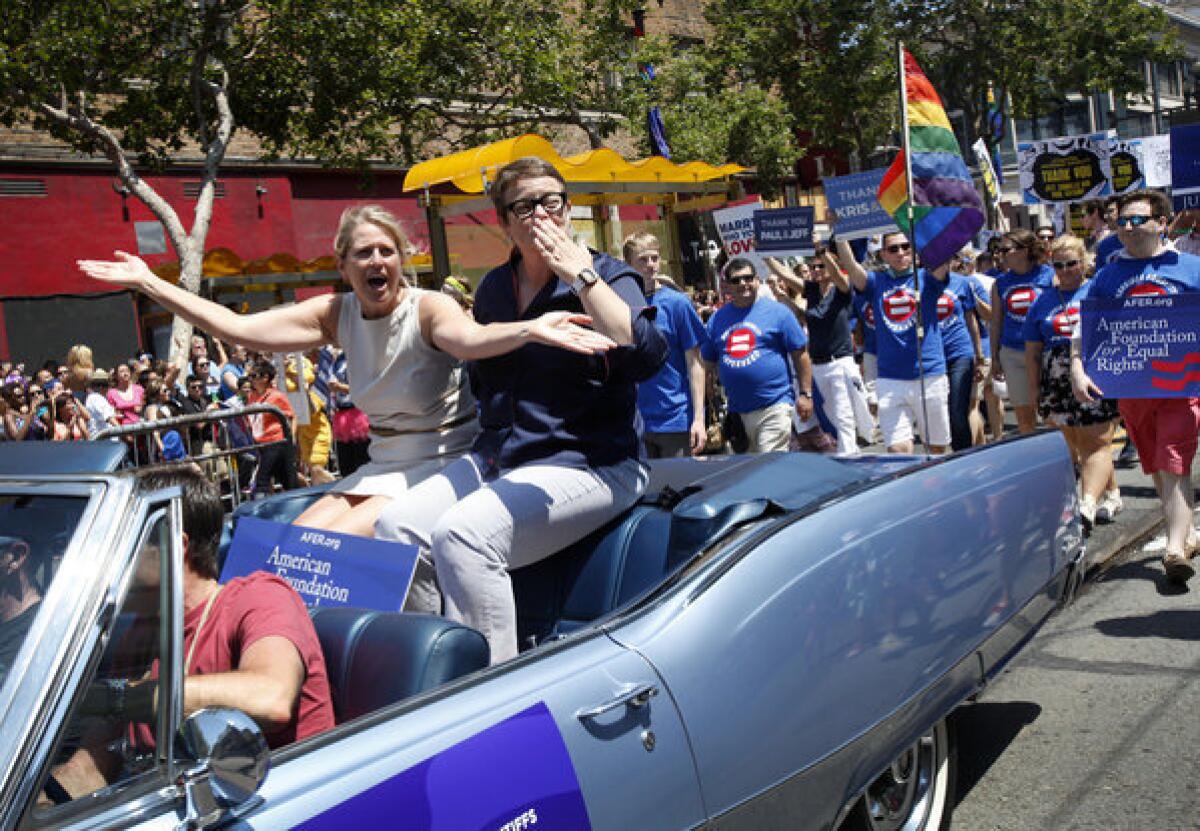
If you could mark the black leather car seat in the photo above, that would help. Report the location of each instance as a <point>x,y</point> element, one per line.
<point>379,658</point>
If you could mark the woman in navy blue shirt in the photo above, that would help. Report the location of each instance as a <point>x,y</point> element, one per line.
<point>558,454</point>
<point>1088,428</point>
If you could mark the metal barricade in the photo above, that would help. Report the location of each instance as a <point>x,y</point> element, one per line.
<point>216,456</point>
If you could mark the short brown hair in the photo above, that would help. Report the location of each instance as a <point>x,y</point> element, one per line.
<point>526,167</point>
<point>1024,238</point>
<point>203,514</point>
<point>1160,205</point>
<point>639,241</point>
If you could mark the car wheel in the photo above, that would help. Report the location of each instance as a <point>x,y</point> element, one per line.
<point>914,793</point>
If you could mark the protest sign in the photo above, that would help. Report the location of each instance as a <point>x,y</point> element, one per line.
<point>324,567</point>
<point>1156,161</point>
<point>1143,345</point>
<point>1125,161</point>
<point>735,225</point>
<point>784,232</point>
<point>1185,167</point>
<point>984,160</point>
<point>1067,169</point>
<point>853,198</point>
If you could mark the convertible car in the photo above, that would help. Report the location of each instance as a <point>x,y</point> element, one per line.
<point>774,641</point>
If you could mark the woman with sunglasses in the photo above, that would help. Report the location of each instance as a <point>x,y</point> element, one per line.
<point>1013,295</point>
<point>1088,428</point>
<point>403,347</point>
<point>559,452</point>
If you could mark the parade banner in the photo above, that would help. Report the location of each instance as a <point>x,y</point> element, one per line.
<point>784,232</point>
<point>326,568</point>
<point>1144,345</point>
<point>1125,161</point>
<point>1067,169</point>
<point>854,199</point>
<point>1156,161</point>
<point>984,160</point>
<point>735,226</point>
<point>519,774</point>
<point>1185,167</point>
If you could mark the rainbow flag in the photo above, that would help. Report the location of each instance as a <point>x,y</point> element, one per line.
<point>946,208</point>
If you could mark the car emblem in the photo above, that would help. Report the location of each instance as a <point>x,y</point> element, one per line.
<point>740,343</point>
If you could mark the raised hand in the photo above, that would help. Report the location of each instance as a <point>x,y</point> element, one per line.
<point>127,271</point>
<point>566,330</point>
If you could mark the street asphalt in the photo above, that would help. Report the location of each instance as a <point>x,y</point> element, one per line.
<point>1093,725</point>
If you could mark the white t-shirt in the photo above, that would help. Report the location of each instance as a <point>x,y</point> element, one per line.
<point>100,411</point>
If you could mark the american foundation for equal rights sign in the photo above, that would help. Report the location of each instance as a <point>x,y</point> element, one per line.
<point>1143,346</point>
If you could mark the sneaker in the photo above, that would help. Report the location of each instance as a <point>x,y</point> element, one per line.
<point>1177,568</point>
<point>1087,511</point>
<point>1109,506</point>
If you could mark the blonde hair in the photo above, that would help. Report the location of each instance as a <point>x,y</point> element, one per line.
<point>638,242</point>
<point>1074,245</point>
<point>376,215</point>
<point>80,365</point>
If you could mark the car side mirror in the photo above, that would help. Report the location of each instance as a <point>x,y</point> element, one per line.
<point>226,760</point>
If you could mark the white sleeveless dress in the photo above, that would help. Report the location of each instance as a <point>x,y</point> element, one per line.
<point>416,398</point>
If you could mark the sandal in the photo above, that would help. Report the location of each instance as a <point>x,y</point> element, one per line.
<point>1178,568</point>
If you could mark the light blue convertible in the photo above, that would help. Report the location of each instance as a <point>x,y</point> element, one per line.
<point>764,642</point>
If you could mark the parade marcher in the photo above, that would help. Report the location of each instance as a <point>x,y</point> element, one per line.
<point>558,454</point>
<point>1108,247</point>
<point>963,349</point>
<point>672,402</point>
<point>1088,428</point>
<point>402,345</point>
<point>912,386</point>
<point>756,344</point>
<point>1014,293</point>
<point>1163,429</point>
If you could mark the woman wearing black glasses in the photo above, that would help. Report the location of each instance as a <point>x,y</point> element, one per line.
<point>558,453</point>
<point>1088,428</point>
<point>1013,295</point>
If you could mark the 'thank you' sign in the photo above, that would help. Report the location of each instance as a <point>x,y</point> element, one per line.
<point>1143,346</point>
<point>326,568</point>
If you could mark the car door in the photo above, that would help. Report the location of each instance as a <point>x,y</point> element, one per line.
<point>579,735</point>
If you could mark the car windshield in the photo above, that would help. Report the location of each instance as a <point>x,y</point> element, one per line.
<point>34,532</point>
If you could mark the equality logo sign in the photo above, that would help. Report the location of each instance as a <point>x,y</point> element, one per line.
<point>899,307</point>
<point>740,343</point>
<point>946,306</point>
<point>324,567</point>
<point>1065,320</point>
<point>1019,300</point>
<point>1143,346</point>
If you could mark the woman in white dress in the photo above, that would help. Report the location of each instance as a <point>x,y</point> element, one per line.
<point>403,346</point>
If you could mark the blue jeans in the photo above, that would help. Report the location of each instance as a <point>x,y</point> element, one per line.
<point>960,372</point>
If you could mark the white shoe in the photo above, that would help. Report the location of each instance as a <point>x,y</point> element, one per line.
<point>1109,506</point>
<point>1087,511</point>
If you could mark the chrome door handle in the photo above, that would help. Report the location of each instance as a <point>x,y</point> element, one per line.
<point>634,696</point>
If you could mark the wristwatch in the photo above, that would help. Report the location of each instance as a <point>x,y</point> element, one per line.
<point>804,394</point>
<point>586,277</point>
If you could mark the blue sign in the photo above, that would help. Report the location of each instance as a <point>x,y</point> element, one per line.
<point>853,199</point>
<point>784,231</point>
<point>1185,167</point>
<point>326,568</point>
<point>1143,346</point>
<point>514,776</point>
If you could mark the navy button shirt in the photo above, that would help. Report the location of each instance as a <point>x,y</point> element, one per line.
<point>544,404</point>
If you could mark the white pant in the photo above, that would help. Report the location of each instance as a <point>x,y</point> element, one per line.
<point>900,405</point>
<point>844,401</point>
<point>475,531</point>
<point>870,372</point>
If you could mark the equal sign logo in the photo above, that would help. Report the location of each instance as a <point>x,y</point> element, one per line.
<point>740,343</point>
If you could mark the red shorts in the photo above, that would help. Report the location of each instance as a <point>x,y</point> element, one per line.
<point>1164,431</point>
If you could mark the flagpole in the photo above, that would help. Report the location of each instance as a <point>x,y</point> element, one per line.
<point>912,230</point>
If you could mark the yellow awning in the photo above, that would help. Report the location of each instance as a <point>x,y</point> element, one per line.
<point>466,169</point>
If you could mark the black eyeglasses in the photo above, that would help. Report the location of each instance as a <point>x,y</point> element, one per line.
<point>1061,264</point>
<point>897,247</point>
<point>739,279</point>
<point>1005,249</point>
<point>1135,221</point>
<point>552,203</point>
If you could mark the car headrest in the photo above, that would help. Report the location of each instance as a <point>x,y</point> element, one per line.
<point>379,658</point>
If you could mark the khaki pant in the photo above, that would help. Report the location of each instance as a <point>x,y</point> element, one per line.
<point>770,428</point>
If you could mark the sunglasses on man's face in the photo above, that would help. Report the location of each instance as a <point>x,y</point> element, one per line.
<point>739,279</point>
<point>1135,221</point>
<point>1061,264</point>
<point>897,247</point>
<point>1005,249</point>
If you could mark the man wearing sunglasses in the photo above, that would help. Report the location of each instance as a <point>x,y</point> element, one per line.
<point>755,344</point>
<point>1164,430</point>
<point>912,387</point>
